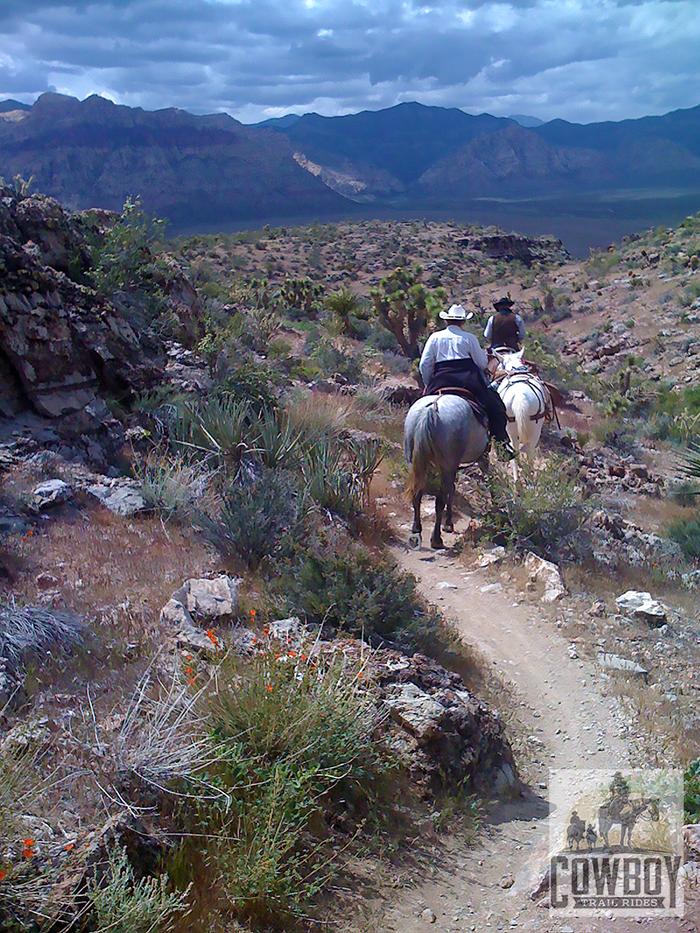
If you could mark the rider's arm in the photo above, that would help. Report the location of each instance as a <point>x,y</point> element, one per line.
<point>478,355</point>
<point>427,360</point>
<point>489,329</point>
<point>521,328</point>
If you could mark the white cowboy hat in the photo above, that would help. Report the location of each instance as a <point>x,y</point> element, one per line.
<point>456,313</point>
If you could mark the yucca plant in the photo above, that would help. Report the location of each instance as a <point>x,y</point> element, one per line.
<point>366,453</point>
<point>691,459</point>
<point>329,481</point>
<point>217,427</point>
<point>277,441</point>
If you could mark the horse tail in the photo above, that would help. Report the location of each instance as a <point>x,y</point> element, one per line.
<point>424,450</point>
<point>521,412</point>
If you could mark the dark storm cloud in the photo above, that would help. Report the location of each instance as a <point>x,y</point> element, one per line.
<point>577,59</point>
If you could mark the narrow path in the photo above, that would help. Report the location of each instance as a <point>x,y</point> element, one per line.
<point>563,719</point>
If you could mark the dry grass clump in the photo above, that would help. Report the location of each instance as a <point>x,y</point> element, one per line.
<point>30,631</point>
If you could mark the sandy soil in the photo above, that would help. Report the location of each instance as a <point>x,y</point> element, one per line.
<point>559,717</point>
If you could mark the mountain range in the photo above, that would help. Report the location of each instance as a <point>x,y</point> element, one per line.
<point>209,171</point>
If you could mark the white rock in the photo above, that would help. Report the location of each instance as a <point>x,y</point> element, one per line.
<point>428,916</point>
<point>445,585</point>
<point>641,605</point>
<point>199,601</point>
<point>52,492</point>
<point>208,600</point>
<point>614,662</point>
<point>544,571</point>
<point>415,710</point>
<point>122,500</point>
<point>494,556</point>
<point>492,588</point>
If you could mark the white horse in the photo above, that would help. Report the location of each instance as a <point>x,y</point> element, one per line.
<point>527,401</point>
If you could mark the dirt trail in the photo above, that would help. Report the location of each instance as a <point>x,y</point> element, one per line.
<point>562,719</point>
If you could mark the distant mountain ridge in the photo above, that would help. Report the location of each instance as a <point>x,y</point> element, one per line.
<point>212,170</point>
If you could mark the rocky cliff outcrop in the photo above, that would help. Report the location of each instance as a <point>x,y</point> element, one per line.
<point>513,246</point>
<point>63,344</point>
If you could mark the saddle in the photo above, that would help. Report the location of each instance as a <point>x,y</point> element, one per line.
<point>550,399</point>
<point>477,407</point>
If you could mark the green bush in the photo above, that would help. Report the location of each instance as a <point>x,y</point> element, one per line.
<point>691,795</point>
<point>123,259</point>
<point>253,385</point>
<point>347,586</point>
<point>121,904</point>
<point>686,532</point>
<point>294,728</point>
<point>540,510</point>
<point>261,515</point>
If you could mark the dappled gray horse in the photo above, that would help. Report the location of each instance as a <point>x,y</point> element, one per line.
<point>440,431</point>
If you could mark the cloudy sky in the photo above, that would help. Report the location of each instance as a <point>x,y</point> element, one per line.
<point>581,60</point>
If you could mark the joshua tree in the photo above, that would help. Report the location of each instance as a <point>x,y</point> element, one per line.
<point>403,306</point>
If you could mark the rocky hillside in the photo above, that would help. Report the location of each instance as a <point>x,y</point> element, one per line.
<point>225,704</point>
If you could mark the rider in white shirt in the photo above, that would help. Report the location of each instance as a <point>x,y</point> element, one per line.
<point>453,358</point>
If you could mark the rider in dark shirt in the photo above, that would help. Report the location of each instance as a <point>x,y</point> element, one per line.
<point>504,328</point>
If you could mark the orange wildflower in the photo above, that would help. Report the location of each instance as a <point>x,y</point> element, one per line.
<point>276,657</point>
<point>252,613</point>
<point>188,657</point>
<point>212,637</point>
<point>191,681</point>
<point>28,853</point>
<point>303,657</point>
<point>28,843</point>
<point>292,654</point>
<point>71,845</point>
<point>269,687</point>
<point>188,670</point>
<point>3,875</point>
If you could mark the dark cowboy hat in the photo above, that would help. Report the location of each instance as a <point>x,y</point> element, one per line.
<point>503,304</point>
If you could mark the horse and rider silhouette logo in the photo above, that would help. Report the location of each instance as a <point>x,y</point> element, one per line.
<point>618,809</point>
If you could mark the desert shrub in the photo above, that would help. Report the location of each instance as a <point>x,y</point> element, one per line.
<point>540,510</point>
<point>253,385</point>
<point>347,312</point>
<point>294,730</point>
<point>691,793</point>
<point>122,258</point>
<point>35,632</point>
<point>317,415</point>
<point>170,486</point>
<point>20,788</point>
<point>686,532</point>
<point>348,586</point>
<point>123,904</point>
<point>332,359</point>
<point>366,453</point>
<point>277,442</point>
<point>261,514</point>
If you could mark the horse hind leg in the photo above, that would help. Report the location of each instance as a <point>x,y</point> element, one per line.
<point>448,523</point>
<point>416,501</point>
<point>436,541</point>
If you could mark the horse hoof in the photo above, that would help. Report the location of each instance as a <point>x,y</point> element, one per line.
<point>414,541</point>
<point>450,529</point>
<point>437,545</point>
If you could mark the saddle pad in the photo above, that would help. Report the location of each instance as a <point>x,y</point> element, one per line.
<point>478,409</point>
